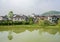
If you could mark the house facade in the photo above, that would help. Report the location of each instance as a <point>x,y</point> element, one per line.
<point>53,19</point>
<point>36,18</point>
<point>17,18</point>
<point>3,18</point>
<point>20,18</point>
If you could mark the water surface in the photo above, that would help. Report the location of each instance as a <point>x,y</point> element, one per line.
<point>30,35</point>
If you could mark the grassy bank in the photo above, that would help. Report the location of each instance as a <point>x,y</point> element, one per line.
<point>20,26</point>
<point>28,26</point>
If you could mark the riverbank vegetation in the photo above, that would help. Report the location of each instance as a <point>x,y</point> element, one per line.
<point>30,24</point>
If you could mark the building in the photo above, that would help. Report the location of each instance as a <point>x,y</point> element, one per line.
<point>3,18</point>
<point>20,18</point>
<point>53,19</point>
<point>35,18</point>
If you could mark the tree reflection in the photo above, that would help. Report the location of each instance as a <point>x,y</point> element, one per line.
<point>52,31</point>
<point>10,37</point>
<point>20,30</point>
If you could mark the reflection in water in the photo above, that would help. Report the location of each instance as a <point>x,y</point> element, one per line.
<point>50,31</point>
<point>30,35</point>
<point>20,30</point>
<point>10,37</point>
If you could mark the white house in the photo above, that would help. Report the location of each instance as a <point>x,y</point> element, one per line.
<point>19,18</point>
<point>3,18</point>
<point>53,19</point>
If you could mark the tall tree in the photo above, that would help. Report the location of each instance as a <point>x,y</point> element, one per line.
<point>10,15</point>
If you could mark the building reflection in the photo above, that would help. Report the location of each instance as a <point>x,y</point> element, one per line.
<point>52,31</point>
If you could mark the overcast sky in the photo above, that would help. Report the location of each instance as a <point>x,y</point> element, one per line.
<point>28,6</point>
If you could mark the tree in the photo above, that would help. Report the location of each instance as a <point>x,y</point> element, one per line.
<point>10,15</point>
<point>30,20</point>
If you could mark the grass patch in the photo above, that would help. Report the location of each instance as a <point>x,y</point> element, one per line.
<point>28,26</point>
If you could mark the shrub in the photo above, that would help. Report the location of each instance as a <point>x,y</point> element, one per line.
<point>26,23</point>
<point>46,22</point>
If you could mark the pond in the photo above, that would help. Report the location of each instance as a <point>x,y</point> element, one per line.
<point>30,35</point>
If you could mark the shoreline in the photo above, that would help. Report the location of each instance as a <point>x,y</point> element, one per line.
<point>27,26</point>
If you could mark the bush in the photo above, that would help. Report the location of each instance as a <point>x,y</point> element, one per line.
<point>8,22</point>
<point>46,23</point>
<point>41,22</point>
<point>5,22</point>
<point>18,22</point>
<point>26,23</point>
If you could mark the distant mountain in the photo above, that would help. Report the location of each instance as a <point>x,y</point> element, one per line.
<point>51,13</point>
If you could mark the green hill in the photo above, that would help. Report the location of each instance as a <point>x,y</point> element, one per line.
<point>51,13</point>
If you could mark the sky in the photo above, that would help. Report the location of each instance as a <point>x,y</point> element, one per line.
<point>27,7</point>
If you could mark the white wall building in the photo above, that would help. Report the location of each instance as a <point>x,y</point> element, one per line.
<point>18,18</point>
<point>3,18</point>
<point>53,19</point>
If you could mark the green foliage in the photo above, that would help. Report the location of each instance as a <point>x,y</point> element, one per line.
<point>17,22</point>
<point>6,22</point>
<point>9,22</point>
<point>46,23</point>
<point>30,20</point>
<point>10,14</point>
<point>26,23</point>
<point>41,22</point>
